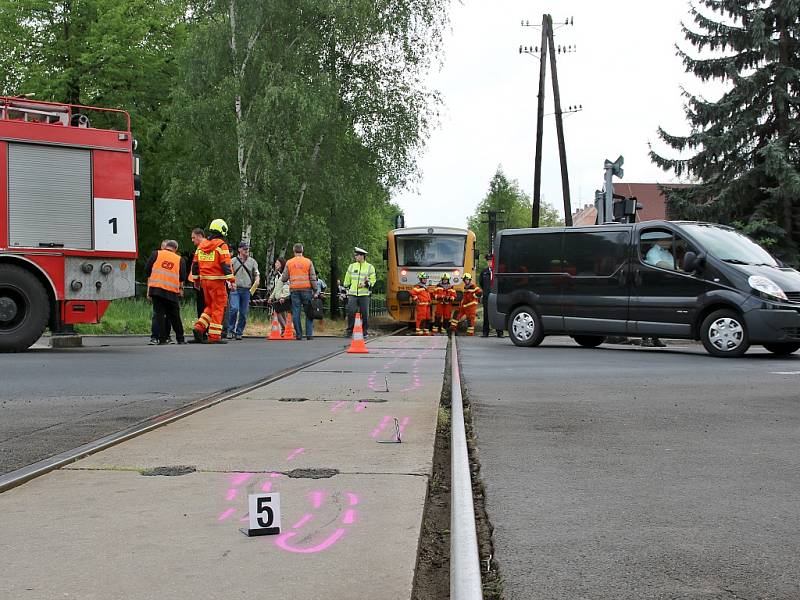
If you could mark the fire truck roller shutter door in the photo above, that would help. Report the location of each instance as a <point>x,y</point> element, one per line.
<point>49,197</point>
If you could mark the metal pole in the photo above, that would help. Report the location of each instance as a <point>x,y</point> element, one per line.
<point>562,151</point>
<point>537,174</point>
<point>465,567</point>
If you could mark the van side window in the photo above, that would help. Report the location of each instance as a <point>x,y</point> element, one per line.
<point>530,253</point>
<point>663,249</point>
<point>595,254</point>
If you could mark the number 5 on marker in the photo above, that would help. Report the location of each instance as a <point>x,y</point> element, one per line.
<point>265,514</point>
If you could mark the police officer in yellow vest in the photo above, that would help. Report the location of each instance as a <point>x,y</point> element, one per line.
<point>358,282</point>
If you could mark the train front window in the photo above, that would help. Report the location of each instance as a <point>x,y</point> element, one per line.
<point>430,250</point>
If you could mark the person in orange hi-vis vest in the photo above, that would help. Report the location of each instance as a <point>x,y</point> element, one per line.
<point>301,276</point>
<point>166,272</point>
<point>421,299</point>
<point>445,297</point>
<point>469,305</point>
<point>212,266</point>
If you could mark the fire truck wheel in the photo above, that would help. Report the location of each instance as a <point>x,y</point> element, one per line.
<point>24,308</point>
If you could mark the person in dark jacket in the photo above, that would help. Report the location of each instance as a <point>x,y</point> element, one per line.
<point>485,283</point>
<point>166,273</point>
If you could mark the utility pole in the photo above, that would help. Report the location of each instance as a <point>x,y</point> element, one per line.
<point>549,43</point>
<point>537,173</point>
<point>562,150</point>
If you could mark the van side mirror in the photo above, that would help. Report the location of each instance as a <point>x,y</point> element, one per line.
<point>692,261</point>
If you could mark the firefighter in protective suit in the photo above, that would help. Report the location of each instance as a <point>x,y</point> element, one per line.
<point>421,299</point>
<point>445,297</point>
<point>212,266</point>
<point>469,305</point>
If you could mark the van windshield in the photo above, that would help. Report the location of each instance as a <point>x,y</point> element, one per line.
<point>729,245</point>
<point>430,250</point>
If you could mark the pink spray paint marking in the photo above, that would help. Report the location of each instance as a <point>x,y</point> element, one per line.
<point>338,405</point>
<point>381,426</point>
<point>404,423</point>
<point>349,517</point>
<point>240,478</point>
<point>294,453</point>
<point>305,519</point>
<point>282,541</point>
<point>231,495</point>
<point>273,475</point>
<point>360,406</point>
<point>267,486</point>
<point>352,498</point>
<point>225,514</point>
<point>316,498</point>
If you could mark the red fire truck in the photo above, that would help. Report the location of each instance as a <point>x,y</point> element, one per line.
<point>67,216</point>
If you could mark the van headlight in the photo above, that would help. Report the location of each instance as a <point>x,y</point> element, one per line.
<point>766,287</point>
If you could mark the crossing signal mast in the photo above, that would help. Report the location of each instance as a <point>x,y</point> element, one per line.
<point>611,207</point>
<point>548,44</point>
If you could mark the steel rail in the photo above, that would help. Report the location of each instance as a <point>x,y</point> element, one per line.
<point>39,468</point>
<point>465,568</point>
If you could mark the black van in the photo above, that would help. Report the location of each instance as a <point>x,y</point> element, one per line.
<point>657,278</point>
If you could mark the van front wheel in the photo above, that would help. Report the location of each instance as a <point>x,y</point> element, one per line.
<point>724,334</point>
<point>525,327</point>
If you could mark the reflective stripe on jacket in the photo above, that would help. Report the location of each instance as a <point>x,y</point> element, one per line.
<point>299,269</point>
<point>356,279</point>
<point>166,273</point>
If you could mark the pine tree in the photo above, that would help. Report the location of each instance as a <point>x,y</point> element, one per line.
<point>746,145</point>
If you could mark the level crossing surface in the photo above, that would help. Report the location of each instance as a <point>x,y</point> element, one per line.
<point>159,516</point>
<point>635,473</point>
<point>53,400</point>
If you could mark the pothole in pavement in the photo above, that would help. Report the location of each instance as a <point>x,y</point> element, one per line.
<point>311,473</point>
<point>292,399</point>
<point>169,471</point>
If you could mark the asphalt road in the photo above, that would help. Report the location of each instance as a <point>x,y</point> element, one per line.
<point>624,472</point>
<point>55,400</point>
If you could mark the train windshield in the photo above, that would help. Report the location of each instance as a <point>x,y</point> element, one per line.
<point>430,250</point>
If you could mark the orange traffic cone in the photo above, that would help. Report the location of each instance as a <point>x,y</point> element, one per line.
<point>275,331</point>
<point>357,346</point>
<point>288,332</point>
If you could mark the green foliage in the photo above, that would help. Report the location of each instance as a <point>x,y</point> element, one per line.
<point>514,209</point>
<point>300,133</point>
<point>292,121</point>
<point>746,146</point>
<point>102,53</point>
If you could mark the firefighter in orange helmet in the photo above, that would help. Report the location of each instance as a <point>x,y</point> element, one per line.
<point>212,266</point>
<point>445,298</point>
<point>421,299</point>
<point>469,305</point>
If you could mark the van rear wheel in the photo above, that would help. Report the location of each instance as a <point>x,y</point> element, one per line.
<point>589,341</point>
<point>724,334</point>
<point>782,348</point>
<point>525,327</point>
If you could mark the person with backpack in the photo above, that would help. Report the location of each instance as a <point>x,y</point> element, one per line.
<point>245,269</point>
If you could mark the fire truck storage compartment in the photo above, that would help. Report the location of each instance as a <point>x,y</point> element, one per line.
<point>49,196</point>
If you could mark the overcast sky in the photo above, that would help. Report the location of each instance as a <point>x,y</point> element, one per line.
<point>625,74</point>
